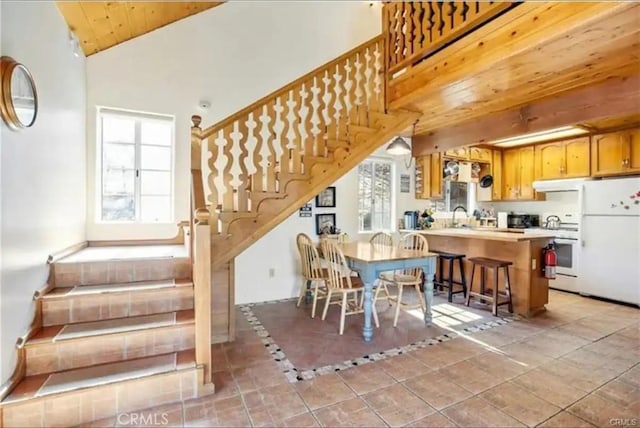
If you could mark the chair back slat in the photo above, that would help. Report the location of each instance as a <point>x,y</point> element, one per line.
<point>382,238</point>
<point>309,257</point>
<point>414,241</point>
<point>337,266</point>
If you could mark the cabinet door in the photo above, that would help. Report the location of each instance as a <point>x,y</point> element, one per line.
<point>510,174</point>
<point>577,155</point>
<point>478,154</point>
<point>633,151</point>
<point>496,172</point>
<point>459,153</point>
<point>436,176</point>
<point>550,160</point>
<point>608,153</point>
<point>527,173</point>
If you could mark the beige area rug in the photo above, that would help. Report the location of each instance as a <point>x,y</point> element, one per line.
<point>106,288</point>
<point>100,375</point>
<point>115,326</point>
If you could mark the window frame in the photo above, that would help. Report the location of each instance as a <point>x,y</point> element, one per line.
<point>139,118</point>
<point>392,197</point>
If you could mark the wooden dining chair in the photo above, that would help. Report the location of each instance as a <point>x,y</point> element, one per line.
<point>382,239</point>
<point>340,283</point>
<point>313,274</point>
<point>407,277</point>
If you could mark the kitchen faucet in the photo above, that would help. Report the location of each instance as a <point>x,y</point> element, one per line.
<point>453,218</point>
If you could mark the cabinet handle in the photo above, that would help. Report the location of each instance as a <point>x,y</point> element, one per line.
<point>625,162</point>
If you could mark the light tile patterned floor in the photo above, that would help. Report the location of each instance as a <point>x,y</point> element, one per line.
<point>576,365</point>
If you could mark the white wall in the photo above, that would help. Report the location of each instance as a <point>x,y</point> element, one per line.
<point>230,55</point>
<point>555,203</point>
<point>277,250</point>
<point>43,168</point>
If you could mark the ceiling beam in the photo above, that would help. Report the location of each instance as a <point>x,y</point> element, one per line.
<point>613,98</point>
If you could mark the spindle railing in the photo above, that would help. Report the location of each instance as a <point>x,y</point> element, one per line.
<point>254,153</point>
<point>415,29</point>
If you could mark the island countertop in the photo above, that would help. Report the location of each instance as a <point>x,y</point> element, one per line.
<point>486,234</point>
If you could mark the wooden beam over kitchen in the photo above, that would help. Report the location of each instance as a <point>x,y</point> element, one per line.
<point>612,99</point>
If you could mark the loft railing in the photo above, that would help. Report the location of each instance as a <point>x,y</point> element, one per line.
<point>414,30</point>
<point>255,152</point>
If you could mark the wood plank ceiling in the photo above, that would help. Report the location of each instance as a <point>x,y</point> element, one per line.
<point>101,25</point>
<point>536,51</point>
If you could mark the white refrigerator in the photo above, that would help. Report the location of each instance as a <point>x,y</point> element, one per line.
<point>609,262</point>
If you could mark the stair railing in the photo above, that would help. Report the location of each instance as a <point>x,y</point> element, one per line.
<point>254,153</point>
<point>416,29</point>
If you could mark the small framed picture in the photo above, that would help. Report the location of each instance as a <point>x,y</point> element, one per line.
<point>325,223</point>
<point>326,198</point>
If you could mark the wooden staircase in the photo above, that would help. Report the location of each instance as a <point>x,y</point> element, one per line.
<point>272,157</point>
<point>115,335</point>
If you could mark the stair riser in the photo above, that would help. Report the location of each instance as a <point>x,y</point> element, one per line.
<point>82,406</point>
<point>96,307</point>
<point>120,271</point>
<point>88,351</point>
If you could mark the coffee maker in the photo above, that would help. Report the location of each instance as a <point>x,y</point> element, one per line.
<point>411,219</point>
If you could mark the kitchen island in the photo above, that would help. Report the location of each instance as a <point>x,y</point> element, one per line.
<point>529,288</point>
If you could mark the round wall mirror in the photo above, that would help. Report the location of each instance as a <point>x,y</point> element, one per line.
<point>19,101</point>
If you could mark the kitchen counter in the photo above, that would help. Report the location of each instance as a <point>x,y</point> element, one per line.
<point>530,289</point>
<point>487,234</point>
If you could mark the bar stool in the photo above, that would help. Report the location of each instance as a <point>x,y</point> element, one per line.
<point>491,295</point>
<point>449,282</point>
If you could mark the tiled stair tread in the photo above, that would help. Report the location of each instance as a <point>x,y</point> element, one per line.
<point>82,290</point>
<point>39,385</point>
<point>107,373</point>
<point>111,326</point>
<point>131,252</point>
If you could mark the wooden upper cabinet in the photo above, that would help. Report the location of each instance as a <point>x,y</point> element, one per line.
<point>527,172</point>
<point>562,159</point>
<point>510,174</point>
<point>496,172</point>
<point>459,153</point>
<point>518,173</point>
<point>615,153</point>
<point>479,154</point>
<point>436,176</point>
<point>550,160</point>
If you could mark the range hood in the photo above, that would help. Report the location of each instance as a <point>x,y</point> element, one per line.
<point>568,185</point>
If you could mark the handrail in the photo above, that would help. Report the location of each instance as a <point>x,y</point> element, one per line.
<point>245,111</point>
<point>414,30</point>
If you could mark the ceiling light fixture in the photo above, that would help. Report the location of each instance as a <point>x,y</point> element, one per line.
<point>399,147</point>
<point>536,137</point>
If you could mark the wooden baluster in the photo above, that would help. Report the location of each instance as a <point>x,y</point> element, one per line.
<point>417,26</point>
<point>297,136</point>
<point>285,141</point>
<point>401,19</point>
<point>257,184</point>
<point>243,188</point>
<point>322,105</point>
<point>332,111</point>
<point>427,23</point>
<point>438,23</point>
<point>341,85</point>
<point>371,96</point>
<point>380,78</point>
<point>271,158</point>
<point>214,197</point>
<point>227,177</point>
<point>362,90</point>
<point>352,100</point>
<point>408,30</point>
<point>309,138</point>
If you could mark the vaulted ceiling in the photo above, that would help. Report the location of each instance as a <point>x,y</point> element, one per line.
<point>101,25</point>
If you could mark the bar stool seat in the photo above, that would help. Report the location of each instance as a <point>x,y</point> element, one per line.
<point>491,295</point>
<point>448,281</point>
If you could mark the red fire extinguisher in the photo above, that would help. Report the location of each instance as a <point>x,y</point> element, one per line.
<point>550,261</point>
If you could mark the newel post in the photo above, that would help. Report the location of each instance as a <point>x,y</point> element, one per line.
<point>201,259</point>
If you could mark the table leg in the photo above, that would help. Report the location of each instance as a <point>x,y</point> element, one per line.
<point>428,297</point>
<point>368,276</point>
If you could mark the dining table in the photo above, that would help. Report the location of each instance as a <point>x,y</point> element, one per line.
<point>369,260</point>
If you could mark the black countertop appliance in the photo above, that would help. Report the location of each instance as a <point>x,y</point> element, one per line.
<point>522,221</point>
